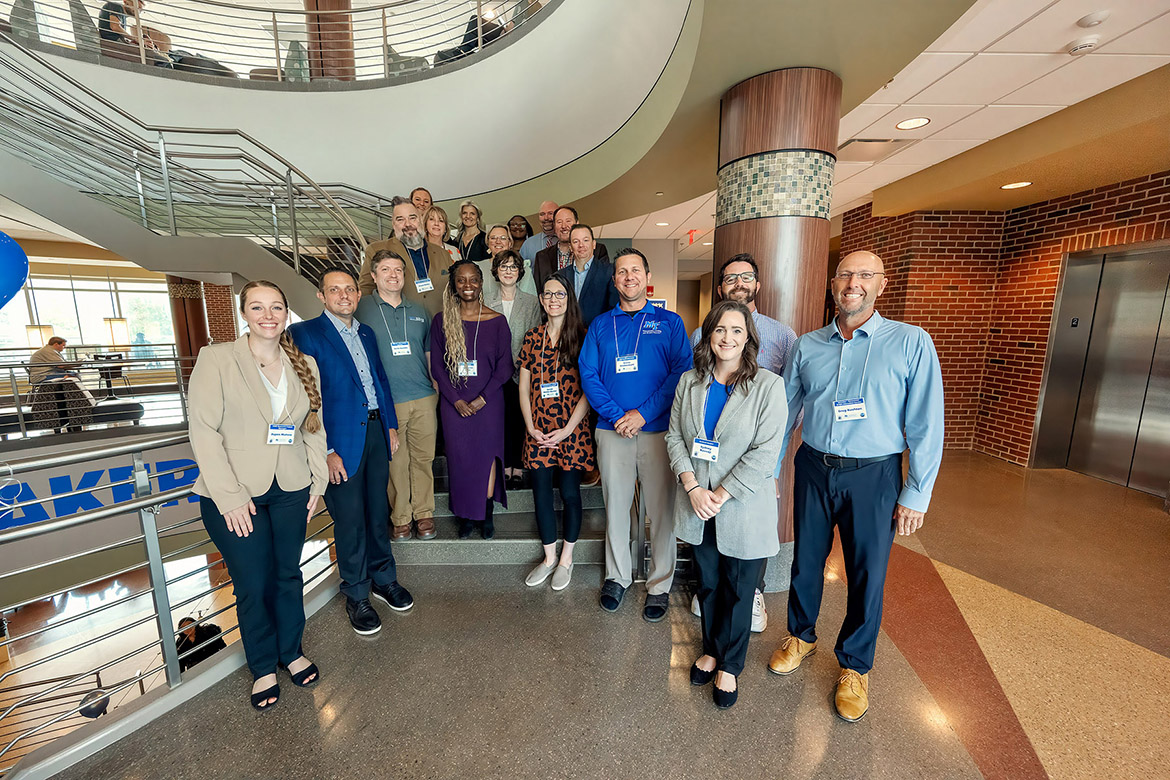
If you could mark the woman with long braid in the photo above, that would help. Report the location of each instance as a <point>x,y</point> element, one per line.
<point>255,427</point>
<point>471,359</point>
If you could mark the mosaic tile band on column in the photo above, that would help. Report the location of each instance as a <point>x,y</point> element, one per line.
<point>776,184</point>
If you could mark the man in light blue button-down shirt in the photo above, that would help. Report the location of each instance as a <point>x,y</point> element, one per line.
<point>870,388</point>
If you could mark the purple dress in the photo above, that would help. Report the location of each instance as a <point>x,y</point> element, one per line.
<point>474,443</point>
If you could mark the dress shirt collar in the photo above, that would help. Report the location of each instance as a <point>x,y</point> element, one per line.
<point>341,326</point>
<point>869,327</point>
<point>648,308</point>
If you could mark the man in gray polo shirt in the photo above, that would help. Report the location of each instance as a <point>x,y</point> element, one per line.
<point>403,329</point>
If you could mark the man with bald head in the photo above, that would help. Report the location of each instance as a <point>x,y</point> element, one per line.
<point>426,263</point>
<point>545,238</point>
<point>869,388</point>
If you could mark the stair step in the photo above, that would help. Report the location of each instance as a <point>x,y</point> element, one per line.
<point>520,501</point>
<point>516,541</point>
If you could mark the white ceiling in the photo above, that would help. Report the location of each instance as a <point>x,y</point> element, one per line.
<point>1001,66</point>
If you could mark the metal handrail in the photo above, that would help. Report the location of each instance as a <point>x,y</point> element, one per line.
<point>35,463</point>
<point>233,40</point>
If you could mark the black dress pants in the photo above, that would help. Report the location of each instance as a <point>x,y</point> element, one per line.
<point>265,567</point>
<point>361,519</point>
<point>542,498</point>
<point>860,503</point>
<point>727,587</point>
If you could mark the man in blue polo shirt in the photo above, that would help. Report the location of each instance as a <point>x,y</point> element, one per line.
<point>870,388</point>
<point>630,365</point>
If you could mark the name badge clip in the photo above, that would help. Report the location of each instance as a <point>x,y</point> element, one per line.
<point>281,434</point>
<point>849,409</point>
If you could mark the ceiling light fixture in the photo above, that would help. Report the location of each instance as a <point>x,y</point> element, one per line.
<point>1016,185</point>
<point>662,224</point>
<point>659,194</point>
<point>707,243</point>
<point>1093,19</point>
<point>913,123</point>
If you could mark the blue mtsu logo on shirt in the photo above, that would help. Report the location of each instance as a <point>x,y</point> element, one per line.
<point>652,327</point>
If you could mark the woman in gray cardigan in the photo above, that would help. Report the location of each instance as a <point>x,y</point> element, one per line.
<point>726,427</point>
<point>522,311</point>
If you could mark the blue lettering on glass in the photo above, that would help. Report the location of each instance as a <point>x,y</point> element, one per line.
<point>179,478</point>
<point>71,505</point>
<point>28,514</point>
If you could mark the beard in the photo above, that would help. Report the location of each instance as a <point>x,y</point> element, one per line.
<point>412,240</point>
<point>742,295</point>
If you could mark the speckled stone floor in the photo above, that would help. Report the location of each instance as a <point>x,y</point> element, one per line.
<point>1025,627</point>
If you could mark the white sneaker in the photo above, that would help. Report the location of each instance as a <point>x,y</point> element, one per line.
<point>695,606</point>
<point>759,614</point>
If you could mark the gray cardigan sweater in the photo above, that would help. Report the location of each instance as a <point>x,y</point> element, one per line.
<point>525,317</point>
<point>750,431</point>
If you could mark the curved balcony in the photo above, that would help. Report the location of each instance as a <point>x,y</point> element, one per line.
<point>279,43</point>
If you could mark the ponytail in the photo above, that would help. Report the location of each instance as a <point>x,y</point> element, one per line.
<point>312,422</point>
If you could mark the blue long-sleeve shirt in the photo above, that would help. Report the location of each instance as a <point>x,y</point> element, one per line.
<point>895,368</point>
<point>659,339</point>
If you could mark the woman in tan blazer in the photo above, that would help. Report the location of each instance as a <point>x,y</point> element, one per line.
<point>254,408</point>
<point>726,427</point>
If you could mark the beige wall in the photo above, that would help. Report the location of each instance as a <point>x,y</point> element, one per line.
<point>688,303</point>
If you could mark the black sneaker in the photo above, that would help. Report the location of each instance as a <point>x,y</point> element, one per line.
<point>393,595</point>
<point>362,616</point>
<point>611,596</point>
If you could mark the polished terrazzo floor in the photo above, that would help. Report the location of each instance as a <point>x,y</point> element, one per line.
<point>1025,627</point>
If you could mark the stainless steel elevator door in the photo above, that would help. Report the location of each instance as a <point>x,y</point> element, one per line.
<point>1118,367</point>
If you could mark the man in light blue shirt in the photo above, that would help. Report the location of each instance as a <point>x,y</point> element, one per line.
<point>545,238</point>
<point>739,280</point>
<point>870,388</point>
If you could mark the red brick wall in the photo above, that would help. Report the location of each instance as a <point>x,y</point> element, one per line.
<point>983,284</point>
<point>220,303</point>
<point>941,268</point>
<point>1035,240</point>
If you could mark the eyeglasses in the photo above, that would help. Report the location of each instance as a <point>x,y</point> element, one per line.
<point>865,276</point>
<point>559,295</point>
<point>508,267</point>
<point>747,276</point>
<point>499,238</point>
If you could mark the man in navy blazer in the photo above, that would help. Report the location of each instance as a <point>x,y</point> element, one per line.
<point>361,429</point>
<point>591,275</point>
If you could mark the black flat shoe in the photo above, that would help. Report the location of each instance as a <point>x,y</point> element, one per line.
<point>465,528</point>
<point>309,671</point>
<point>699,677</point>
<point>258,699</point>
<point>487,529</point>
<point>724,699</point>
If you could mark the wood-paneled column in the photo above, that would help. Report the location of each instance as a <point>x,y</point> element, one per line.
<point>189,319</point>
<point>777,149</point>
<point>330,40</point>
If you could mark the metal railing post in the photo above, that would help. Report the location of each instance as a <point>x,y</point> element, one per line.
<point>292,223</point>
<point>385,46</point>
<point>141,195</point>
<point>479,25</point>
<point>158,576</point>
<point>166,180</point>
<point>276,46</point>
<point>19,406</point>
<point>275,220</point>
<point>138,34</point>
<point>378,216</point>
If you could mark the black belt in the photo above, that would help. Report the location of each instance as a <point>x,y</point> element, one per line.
<point>375,414</point>
<point>838,462</point>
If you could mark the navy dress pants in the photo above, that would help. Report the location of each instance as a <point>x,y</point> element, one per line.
<point>727,588</point>
<point>860,502</point>
<point>265,567</point>
<point>361,520</point>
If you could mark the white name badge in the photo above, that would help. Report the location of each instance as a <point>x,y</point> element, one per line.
<point>705,449</point>
<point>400,348</point>
<point>468,368</point>
<point>627,363</point>
<point>424,285</point>
<point>849,409</point>
<point>281,434</point>
<point>550,390</point>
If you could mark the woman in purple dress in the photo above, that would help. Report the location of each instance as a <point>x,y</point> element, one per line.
<point>471,359</point>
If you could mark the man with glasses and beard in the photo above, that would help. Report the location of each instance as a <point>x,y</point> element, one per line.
<point>739,280</point>
<point>427,263</point>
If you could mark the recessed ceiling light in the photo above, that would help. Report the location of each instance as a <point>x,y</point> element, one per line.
<point>658,193</point>
<point>1015,185</point>
<point>913,123</point>
<point>707,243</point>
<point>662,224</point>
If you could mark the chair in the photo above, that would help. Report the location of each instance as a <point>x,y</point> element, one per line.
<point>400,65</point>
<point>23,20</point>
<point>111,370</point>
<point>85,32</point>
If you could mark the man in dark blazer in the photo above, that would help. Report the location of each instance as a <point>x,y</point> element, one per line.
<point>426,263</point>
<point>591,276</point>
<point>560,255</point>
<point>361,430</point>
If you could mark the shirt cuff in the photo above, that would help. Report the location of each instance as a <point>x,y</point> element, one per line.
<point>330,451</point>
<point>914,499</point>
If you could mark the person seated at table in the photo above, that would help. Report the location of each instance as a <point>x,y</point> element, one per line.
<point>191,639</point>
<point>49,363</point>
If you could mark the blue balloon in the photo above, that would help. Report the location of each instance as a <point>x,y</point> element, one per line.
<point>13,268</point>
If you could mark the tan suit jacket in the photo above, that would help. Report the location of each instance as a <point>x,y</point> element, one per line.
<point>230,411</point>
<point>440,263</point>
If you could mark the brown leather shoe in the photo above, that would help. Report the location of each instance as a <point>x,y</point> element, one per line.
<point>591,477</point>
<point>789,654</point>
<point>426,528</point>
<point>852,698</point>
<point>400,532</point>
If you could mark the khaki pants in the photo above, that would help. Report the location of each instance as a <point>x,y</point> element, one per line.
<point>412,482</point>
<point>624,462</point>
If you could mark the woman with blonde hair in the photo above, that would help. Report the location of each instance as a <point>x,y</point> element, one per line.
<point>472,241</point>
<point>438,231</point>
<point>255,427</point>
<point>471,359</point>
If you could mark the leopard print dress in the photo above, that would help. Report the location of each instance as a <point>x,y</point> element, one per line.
<point>544,363</point>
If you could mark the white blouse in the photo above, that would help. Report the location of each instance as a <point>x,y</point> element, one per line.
<point>278,395</point>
